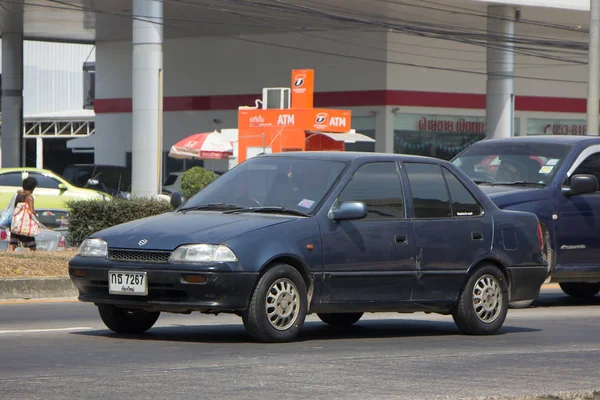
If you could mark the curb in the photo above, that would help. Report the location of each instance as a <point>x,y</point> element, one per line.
<point>62,288</point>
<point>37,288</point>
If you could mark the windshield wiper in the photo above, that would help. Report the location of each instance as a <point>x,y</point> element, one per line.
<point>519,183</point>
<point>213,206</point>
<point>482,182</point>
<point>269,209</point>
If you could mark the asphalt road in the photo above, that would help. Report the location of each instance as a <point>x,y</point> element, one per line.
<point>61,350</point>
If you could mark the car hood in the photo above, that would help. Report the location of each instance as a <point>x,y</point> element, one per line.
<point>508,195</point>
<point>168,231</point>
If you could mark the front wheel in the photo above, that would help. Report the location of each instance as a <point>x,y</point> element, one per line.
<point>122,321</point>
<point>521,303</point>
<point>340,319</point>
<point>278,305</point>
<point>483,304</point>
<point>580,289</point>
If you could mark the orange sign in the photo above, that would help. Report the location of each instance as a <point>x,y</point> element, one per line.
<point>309,119</point>
<point>303,86</point>
<point>294,128</point>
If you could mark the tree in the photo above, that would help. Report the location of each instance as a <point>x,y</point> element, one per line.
<point>194,180</point>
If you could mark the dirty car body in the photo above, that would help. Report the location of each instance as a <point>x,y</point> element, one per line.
<point>338,234</point>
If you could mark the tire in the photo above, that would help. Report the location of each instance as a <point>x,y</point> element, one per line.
<point>340,319</point>
<point>580,289</point>
<point>123,321</point>
<point>278,305</point>
<point>475,316</point>
<point>521,303</point>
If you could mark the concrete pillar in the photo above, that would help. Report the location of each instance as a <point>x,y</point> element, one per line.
<point>593,69</point>
<point>384,130</point>
<point>500,91</point>
<point>147,97</point>
<point>12,86</point>
<point>39,152</point>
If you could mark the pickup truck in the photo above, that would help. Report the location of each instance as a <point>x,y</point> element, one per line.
<point>556,178</point>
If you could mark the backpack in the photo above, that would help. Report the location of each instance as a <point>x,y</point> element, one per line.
<point>24,222</point>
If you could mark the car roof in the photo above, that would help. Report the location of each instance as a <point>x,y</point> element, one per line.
<point>28,169</point>
<point>352,156</point>
<point>558,139</point>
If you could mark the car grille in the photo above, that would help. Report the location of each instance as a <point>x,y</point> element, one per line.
<point>140,256</point>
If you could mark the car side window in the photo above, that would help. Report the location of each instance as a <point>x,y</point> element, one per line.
<point>589,166</point>
<point>45,182</point>
<point>378,186</point>
<point>429,191</point>
<point>11,179</point>
<point>463,202</point>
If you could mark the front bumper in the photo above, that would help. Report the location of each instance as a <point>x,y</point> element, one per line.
<point>224,291</point>
<point>526,282</point>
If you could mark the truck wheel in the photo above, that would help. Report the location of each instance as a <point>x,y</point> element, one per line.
<point>122,321</point>
<point>340,319</point>
<point>483,303</point>
<point>580,289</point>
<point>278,305</point>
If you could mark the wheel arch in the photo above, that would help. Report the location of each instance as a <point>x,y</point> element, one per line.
<point>296,263</point>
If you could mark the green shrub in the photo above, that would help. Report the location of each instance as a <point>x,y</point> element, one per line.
<point>90,216</point>
<point>195,179</point>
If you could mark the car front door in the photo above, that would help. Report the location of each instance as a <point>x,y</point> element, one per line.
<point>47,194</point>
<point>371,259</point>
<point>578,223</point>
<point>451,231</point>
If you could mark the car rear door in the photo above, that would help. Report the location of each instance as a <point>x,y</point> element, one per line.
<point>371,259</point>
<point>451,231</point>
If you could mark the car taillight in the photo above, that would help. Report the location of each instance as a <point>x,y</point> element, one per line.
<point>61,242</point>
<point>540,236</point>
<point>3,235</point>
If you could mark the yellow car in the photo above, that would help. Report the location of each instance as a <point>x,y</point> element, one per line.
<point>52,192</point>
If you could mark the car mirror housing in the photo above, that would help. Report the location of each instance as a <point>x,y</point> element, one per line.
<point>581,184</point>
<point>62,186</point>
<point>348,210</point>
<point>177,199</point>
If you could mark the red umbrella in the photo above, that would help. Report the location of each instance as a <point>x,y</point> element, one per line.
<point>202,146</point>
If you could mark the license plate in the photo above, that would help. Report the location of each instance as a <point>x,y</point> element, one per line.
<point>127,282</point>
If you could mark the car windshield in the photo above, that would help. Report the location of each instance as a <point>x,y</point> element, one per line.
<point>512,163</point>
<point>289,183</point>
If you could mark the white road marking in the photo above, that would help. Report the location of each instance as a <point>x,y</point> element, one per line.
<point>75,328</point>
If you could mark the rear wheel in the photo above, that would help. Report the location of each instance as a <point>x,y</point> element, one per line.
<point>278,305</point>
<point>580,289</point>
<point>483,304</point>
<point>340,319</point>
<point>123,321</point>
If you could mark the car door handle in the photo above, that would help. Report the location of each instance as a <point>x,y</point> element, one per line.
<point>401,239</point>
<point>476,236</point>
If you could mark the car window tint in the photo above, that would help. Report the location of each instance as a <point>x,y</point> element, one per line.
<point>45,182</point>
<point>378,186</point>
<point>11,179</point>
<point>429,192</point>
<point>589,166</point>
<point>171,179</point>
<point>463,202</point>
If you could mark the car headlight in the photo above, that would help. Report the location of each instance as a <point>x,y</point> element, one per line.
<point>203,253</point>
<point>93,248</point>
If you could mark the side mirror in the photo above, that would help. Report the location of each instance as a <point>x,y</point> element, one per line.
<point>62,186</point>
<point>581,184</point>
<point>177,199</point>
<point>348,210</point>
<point>93,182</point>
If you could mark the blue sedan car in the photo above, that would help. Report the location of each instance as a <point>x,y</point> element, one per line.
<point>338,234</point>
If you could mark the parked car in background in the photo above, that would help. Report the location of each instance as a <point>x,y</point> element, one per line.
<point>172,183</point>
<point>555,177</point>
<point>47,239</point>
<point>53,191</point>
<point>112,179</point>
<point>332,233</point>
